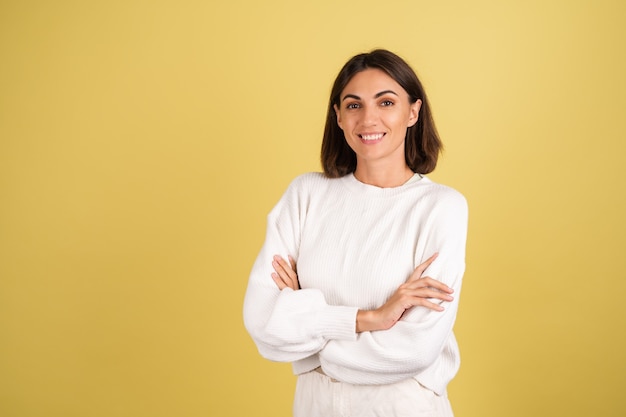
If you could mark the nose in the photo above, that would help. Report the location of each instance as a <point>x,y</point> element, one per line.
<point>370,115</point>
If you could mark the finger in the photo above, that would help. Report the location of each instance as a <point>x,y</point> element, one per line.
<point>282,274</point>
<point>429,300</point>
<point>286,272</point>
<point>434,294</point>
<point>428,282</point>
<point>422,267</point>
<point>278,281</point>
<point>416,300</point>
<point>287,269</point>
<point>292,262</point>
<point>279,267</point>
<point>426,293</point>
<point>438,285</point>
<point>432,306</point>
<point>294,267</point>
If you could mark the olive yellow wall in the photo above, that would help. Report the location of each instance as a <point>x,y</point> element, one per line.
<point>142,144</point>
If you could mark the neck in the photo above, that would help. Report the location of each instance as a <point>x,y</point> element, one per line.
<point>383,178</point>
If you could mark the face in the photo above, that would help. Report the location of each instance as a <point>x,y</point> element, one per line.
<point>374,113</point>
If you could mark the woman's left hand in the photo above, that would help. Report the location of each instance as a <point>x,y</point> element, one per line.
<point>285,275</point>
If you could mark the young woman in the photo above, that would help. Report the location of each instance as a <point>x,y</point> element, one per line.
<point>366,317</point>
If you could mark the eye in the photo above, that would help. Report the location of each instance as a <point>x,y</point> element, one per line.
<point>353,106</point>
<point>386,103</point>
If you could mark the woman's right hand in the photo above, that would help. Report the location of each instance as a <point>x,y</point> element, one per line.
<point>416,291</point>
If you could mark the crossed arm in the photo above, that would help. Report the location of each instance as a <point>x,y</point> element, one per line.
<point>415,291</point>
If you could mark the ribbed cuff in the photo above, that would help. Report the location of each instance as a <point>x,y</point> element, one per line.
<point>338,322</point>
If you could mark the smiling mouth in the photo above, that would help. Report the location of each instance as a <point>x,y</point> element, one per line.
<point>372,136</point>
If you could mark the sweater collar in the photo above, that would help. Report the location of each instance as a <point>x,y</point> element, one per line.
<point>368,190</point>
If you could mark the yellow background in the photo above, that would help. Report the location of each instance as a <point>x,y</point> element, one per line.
<point>142,144</point>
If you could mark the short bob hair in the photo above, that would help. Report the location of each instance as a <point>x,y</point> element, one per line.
<point>422,144</point>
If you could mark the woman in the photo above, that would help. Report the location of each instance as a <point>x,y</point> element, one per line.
<point>380,249</point>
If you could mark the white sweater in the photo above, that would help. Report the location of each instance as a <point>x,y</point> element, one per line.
<point>354,245</point>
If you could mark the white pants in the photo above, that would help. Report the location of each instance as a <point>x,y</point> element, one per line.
<point>318,395</point>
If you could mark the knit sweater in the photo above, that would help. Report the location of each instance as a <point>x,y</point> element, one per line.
<point>354,245</point>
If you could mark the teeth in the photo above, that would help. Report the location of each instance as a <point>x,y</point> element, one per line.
<point>372,137</point>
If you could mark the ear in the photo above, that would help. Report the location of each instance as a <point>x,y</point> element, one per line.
<point>338,114</point>
<point>414,111</point>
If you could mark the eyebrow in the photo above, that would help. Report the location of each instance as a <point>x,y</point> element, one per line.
<point>382,93</point>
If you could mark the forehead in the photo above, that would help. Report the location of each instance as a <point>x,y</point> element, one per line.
<point>370,82</point>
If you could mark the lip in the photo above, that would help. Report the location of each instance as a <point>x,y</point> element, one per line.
<point>371,137</point>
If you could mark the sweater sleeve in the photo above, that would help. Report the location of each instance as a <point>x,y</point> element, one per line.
<point>290,325</point>
<point>423,338</point>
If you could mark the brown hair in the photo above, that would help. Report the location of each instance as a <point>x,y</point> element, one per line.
<point>422,144</point>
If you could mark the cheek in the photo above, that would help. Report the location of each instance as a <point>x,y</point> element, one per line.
<point>401,120</point>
